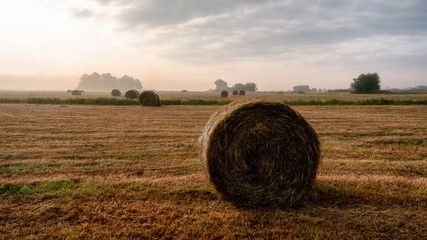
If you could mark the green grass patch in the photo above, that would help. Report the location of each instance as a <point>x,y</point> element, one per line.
<point>110,101</point>
<point>50,187</point>
<point>10,189</point>
<point>377,101</point>
<point>79,101</point>
<point>55,186</point>
<point>12,168</point>
<point>165,102</point>
<point>194,102</point>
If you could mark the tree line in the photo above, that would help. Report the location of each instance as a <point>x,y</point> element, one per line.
<point>107,82</point>
<point>222,85</point>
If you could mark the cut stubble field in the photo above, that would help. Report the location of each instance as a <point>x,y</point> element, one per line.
<point>86,171</point>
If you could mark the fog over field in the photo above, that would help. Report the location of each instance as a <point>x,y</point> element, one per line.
<point>175,45</point>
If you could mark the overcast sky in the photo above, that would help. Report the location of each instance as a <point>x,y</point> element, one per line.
<point>188,44</point>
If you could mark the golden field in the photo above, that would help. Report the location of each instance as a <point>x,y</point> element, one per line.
<point>120,172</point>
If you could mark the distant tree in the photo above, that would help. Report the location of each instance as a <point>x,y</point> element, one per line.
<point>369,82</point>
<point>221,85</point>
<point>89,82</point>
<point>127,82</point>
<point>107,82</point>
<point>419,88</point>
<point>251,87</point>
<point>138,84</point>
<point>238,86</point>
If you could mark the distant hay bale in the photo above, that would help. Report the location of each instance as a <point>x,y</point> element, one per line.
<point>224,94</point>
<point>149,98</point>
<point>76,92</point>
<point>69,91</point>
<point>132,94</point>
<point>260,154</point>
<point>242,92</point>
<point>116,93</point>
<point>235,92</point>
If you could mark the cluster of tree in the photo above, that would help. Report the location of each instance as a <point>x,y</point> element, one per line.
<point>366,83</point>
<point>418,88</point>
<point>304,88</point>
<point>411,89</point>
<point>221,85</point>
<point>107,82</point>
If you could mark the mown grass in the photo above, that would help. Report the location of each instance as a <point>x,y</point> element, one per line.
<point>108,173</point>
<point>57,189</point>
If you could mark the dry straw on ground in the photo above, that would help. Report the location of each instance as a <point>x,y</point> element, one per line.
<point>224,94</point>
<point>116,93</point>
<point>132,94</point>
<point>260,154</point>
<point>149,98</point>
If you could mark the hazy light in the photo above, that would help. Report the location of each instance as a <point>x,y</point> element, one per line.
<point>276,44</point>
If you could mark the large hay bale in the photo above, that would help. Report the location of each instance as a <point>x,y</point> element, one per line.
<point>132,94</point>
<point>69,91</point>
<point>149,98</point>
<point>242,92</point>
<point>260,154</point>
<point>224,94</point>
<point>76,92</point>
<point>235,92</point>
<point>116,93</point>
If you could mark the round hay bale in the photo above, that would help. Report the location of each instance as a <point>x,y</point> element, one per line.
<point>235,92</point>
<point>224,94</point>
<point>69,91</point>
<point>132,94</point>
<point>116,93</point>
<point>76,92</point>
<point>149,98</point>
<point>242,92</point>
<point>260,154</point>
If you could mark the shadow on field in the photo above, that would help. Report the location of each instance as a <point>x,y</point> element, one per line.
<point>323,195</point>
<point>348,195</point>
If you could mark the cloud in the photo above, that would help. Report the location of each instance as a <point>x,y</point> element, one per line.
<point>156,13</point>
<point>379,16</point>
<point>82,13</point>
<point>194,30</point>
